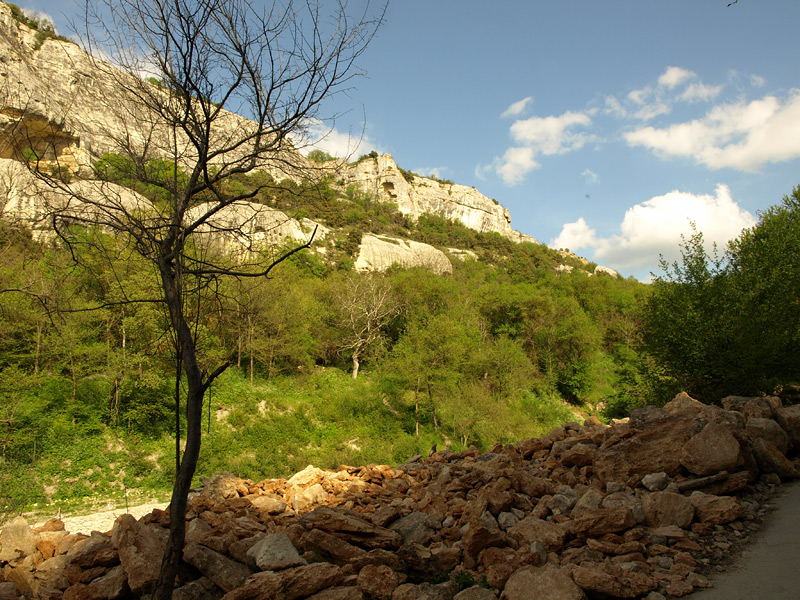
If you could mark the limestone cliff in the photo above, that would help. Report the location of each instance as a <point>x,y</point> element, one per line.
<point>64,109</point>
<point>378,253</point>
<point>416,195</point>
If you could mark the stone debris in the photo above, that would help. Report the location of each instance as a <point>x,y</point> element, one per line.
<point>645,508</point>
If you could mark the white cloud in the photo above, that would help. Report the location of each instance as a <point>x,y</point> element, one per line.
<point>517,108</point>
<point>675,76</point>
<point>655,226</point>
<point>739,136</point>
<point>538,136</point>
<point>515,164</point>
<point>552,135</point>
<point>757,81</point>
<point>575,236</point>
<point>614,107</point>
<point>700,91</point>
<point>319,136</point>
<point>590,177</point>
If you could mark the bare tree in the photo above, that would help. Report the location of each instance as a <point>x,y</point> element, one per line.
<point>183,70</point>
<point>367,305</point>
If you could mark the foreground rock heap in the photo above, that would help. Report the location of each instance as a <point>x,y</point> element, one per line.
<point>636,510</point>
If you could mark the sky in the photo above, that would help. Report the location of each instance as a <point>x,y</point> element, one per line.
<point>606,127</point>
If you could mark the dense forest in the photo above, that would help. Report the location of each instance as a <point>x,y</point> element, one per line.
<point>331,366</point>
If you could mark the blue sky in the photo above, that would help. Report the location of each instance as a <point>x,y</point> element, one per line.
<point>604,126</point>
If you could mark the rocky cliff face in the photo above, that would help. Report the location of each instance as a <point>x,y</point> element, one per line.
<point>646,505</point>
<point>417,195</point>
<point>65,109</point>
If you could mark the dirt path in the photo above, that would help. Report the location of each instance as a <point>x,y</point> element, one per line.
<point>768,567</point>
<point>104,520</point>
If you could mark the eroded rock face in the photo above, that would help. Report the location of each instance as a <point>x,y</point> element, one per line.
<point>380,252</point>
<point>527,519</point>
<point>418,195</point>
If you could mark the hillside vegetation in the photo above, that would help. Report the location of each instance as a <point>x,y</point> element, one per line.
<point>504,349</point>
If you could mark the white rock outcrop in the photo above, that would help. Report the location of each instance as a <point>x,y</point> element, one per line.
<point>382,177</point>
<point>379,253</point>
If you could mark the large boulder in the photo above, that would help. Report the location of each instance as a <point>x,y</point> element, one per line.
<point>768,430</point>
<point>17,540</point>
<point>667,508</point>
<point>712,450</point>
<point>550,581</point>
<point>655,448</point>
<point>140,548</point>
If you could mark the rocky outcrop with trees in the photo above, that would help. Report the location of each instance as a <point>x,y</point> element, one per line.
<point>643,508</point>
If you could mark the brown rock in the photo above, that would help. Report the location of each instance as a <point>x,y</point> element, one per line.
<point>597,581</point>
<point>352,528</point>
<point>603,520</point>
<point>310,579</point>
<point>86,554</point>
<point>17,540</point>
<point>550,581</point>
<point>768,430</point>
<point>551,535</point>
<point>651,450</point>
<point>140,548</point>
<point>261,586</point>
<point>685,406</point>
<point>760,408</point>
<point>771,460</point>
<point>378,581</point>
<point>350,592</point>
<point>663,509</point>
<point>716,510</point>
<point>331,547</point>
<point>269,504</point>
<point>789,420</point>
<point>479,537</point>
<point>679,589</point>
<point>227,574</point>
<point>579,455</point>
<point>712,450</point>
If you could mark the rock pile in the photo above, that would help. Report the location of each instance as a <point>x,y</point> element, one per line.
<point>639,509</point>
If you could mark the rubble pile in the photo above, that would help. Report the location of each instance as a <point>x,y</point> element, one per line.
<point>643,508</point>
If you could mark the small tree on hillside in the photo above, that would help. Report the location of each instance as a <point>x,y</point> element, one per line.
<point>181,142</point>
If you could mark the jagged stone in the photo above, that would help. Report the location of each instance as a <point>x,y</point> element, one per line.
<point>226,574</point>
<point>378,581</point>
<point>771,460</point>
<point>353,528</point>
<point>716,510</point>
<point>666,508</point>
<point>275,552</point>
<point>712,450</point>
<point>140,550</point>
<point>767,430</point>
<point>549,581</point>
<point>17,540</point>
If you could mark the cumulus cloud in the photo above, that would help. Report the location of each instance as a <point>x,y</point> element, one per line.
<point>740,135</point>
<point>757,81</point>
<point>674,76</point>
<point>320,136</point>
<point>538,136</point>
<point>699,91</point>
<point>654,228</point>
<point>675,84</point>
<point>517,108</point>
<point>552,135</point>
<point>515,164</point>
